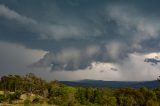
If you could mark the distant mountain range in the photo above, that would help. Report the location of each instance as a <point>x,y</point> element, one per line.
<point>112,84</point>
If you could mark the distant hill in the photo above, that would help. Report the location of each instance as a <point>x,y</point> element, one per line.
<point>112,84</point>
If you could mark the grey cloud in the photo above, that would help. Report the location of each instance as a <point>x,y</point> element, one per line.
<point>76,34</point>
<point>131,29</point>
<point>67,31</point>
<point>12,15</point>
<point>133,24</point>
<point>51,31</point>
<point>69,59</point>
<point>15,58</point>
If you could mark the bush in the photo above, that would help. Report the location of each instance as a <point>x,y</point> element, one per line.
<point>55,100</point>
<point>2,98</point>
<point>152,103</point>
<point>125,101</point>
<point>17,95</point>
<point>109,101</point>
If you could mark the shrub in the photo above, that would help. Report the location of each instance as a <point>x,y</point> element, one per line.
<point>17,95</point>
<point>152,103</point>
<point>125,101</point>
<point>55,100</point>
<point>2,98</point>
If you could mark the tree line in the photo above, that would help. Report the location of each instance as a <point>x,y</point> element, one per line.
<point>53,92</point>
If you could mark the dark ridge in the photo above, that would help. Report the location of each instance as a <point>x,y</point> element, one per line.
<point>112,84</point>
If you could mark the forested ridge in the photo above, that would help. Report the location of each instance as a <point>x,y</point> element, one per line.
<point>30,89</point>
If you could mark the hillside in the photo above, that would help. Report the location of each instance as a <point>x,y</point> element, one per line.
<point>113,84</point>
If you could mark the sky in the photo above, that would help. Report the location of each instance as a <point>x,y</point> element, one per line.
<point>80,39</point>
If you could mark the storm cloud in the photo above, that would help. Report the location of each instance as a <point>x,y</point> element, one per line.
<point>130,30</point>
<point>75,34</point>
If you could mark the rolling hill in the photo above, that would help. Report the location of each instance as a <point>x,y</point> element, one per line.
<point>112,84</point>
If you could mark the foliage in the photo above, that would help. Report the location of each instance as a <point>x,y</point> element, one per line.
<point>55,100</point>
<point>39,91</point>
<point>2,98</point>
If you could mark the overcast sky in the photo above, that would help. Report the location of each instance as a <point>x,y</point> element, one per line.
<point>80,39</point>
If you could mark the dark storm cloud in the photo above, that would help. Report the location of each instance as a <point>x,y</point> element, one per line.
<point>78,32</point>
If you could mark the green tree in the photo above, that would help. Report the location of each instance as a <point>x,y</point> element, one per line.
<point>80,95</point>
<point>125,101</point>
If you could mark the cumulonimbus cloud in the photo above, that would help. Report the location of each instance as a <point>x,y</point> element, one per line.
<point>131,29</point>
<point>104,39</point>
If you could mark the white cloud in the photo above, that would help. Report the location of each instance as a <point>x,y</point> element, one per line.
<point>99,66</point>
<point>134,68</point>
<point>98,71</point>
<point>152,55</point>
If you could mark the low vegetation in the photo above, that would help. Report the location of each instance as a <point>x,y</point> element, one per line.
<point>30,89</point>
